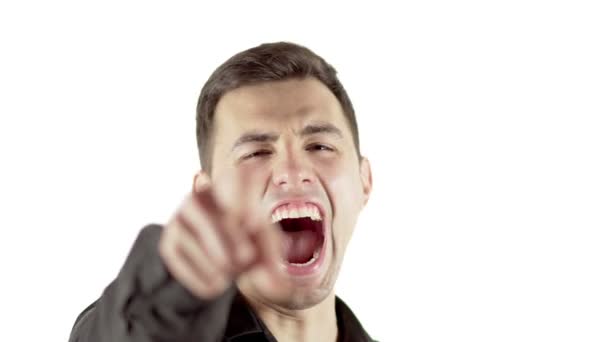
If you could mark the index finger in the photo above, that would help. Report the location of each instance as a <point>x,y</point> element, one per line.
<point>257,222</point>
<point>267,268</point>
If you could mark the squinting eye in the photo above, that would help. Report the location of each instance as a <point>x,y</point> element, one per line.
<point>319,147</point>
<point>256,154</point>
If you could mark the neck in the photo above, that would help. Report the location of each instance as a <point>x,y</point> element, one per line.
<point>317,323</point>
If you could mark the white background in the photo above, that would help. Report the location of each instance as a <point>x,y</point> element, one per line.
<point>485,122</point>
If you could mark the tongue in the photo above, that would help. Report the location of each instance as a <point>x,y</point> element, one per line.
<point>300,246</point>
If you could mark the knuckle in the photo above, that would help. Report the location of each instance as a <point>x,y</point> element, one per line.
<point>202,288</point>
<point>164,245</point>
<point>202,291</point>
<point>218,284</point>
<point>167,254</point>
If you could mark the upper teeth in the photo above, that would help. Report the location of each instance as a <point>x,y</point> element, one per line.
<point>293,211</point>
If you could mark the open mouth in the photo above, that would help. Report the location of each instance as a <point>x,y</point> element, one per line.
<point>303,235</point>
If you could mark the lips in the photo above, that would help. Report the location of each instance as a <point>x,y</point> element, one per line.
<point>303,230</point>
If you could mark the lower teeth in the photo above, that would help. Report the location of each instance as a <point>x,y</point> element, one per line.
<point>309,262</point>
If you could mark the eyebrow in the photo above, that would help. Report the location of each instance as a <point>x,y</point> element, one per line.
<point>321,128</point>
<point>266,137</point>
<point>255,137</point>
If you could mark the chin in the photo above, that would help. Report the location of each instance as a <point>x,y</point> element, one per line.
<point>301,299</point>
<point>302,294</point>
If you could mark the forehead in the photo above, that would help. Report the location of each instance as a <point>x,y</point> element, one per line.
<point>276,106</point>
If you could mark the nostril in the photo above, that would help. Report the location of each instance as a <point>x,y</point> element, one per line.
<point>281,180</point>
<point>287,179</point>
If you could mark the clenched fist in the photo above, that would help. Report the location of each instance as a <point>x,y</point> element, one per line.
<point>207,247</point>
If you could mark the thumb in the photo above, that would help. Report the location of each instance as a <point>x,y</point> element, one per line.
<point>271,280</point>
<point>268,271</point>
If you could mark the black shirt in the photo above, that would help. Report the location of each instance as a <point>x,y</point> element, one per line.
<point>145,304</point>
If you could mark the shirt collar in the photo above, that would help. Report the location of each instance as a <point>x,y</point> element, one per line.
<point>243,323</point>
<point>349,327</point>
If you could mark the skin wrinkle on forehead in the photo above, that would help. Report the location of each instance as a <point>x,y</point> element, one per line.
<point>285,103</point>
<point>309,129</point>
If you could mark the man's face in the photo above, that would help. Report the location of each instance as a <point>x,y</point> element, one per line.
<point>285,151</point>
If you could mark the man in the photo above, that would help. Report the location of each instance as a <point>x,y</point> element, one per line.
<point>252,254</point>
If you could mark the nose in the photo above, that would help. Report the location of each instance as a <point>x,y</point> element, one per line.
<point>292,171</point>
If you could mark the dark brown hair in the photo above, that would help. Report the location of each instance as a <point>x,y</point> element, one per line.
<point>266,62</point>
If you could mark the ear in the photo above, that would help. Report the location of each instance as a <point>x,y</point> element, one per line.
<point>365,172</point>
<point>201,181</point>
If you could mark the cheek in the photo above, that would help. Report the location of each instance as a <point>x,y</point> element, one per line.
<point>253,177</point>
<point>343,182</point>
<point>223,189</point>
<point>236,187</point>
<point>251,181</point>
<point>346,194</point>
